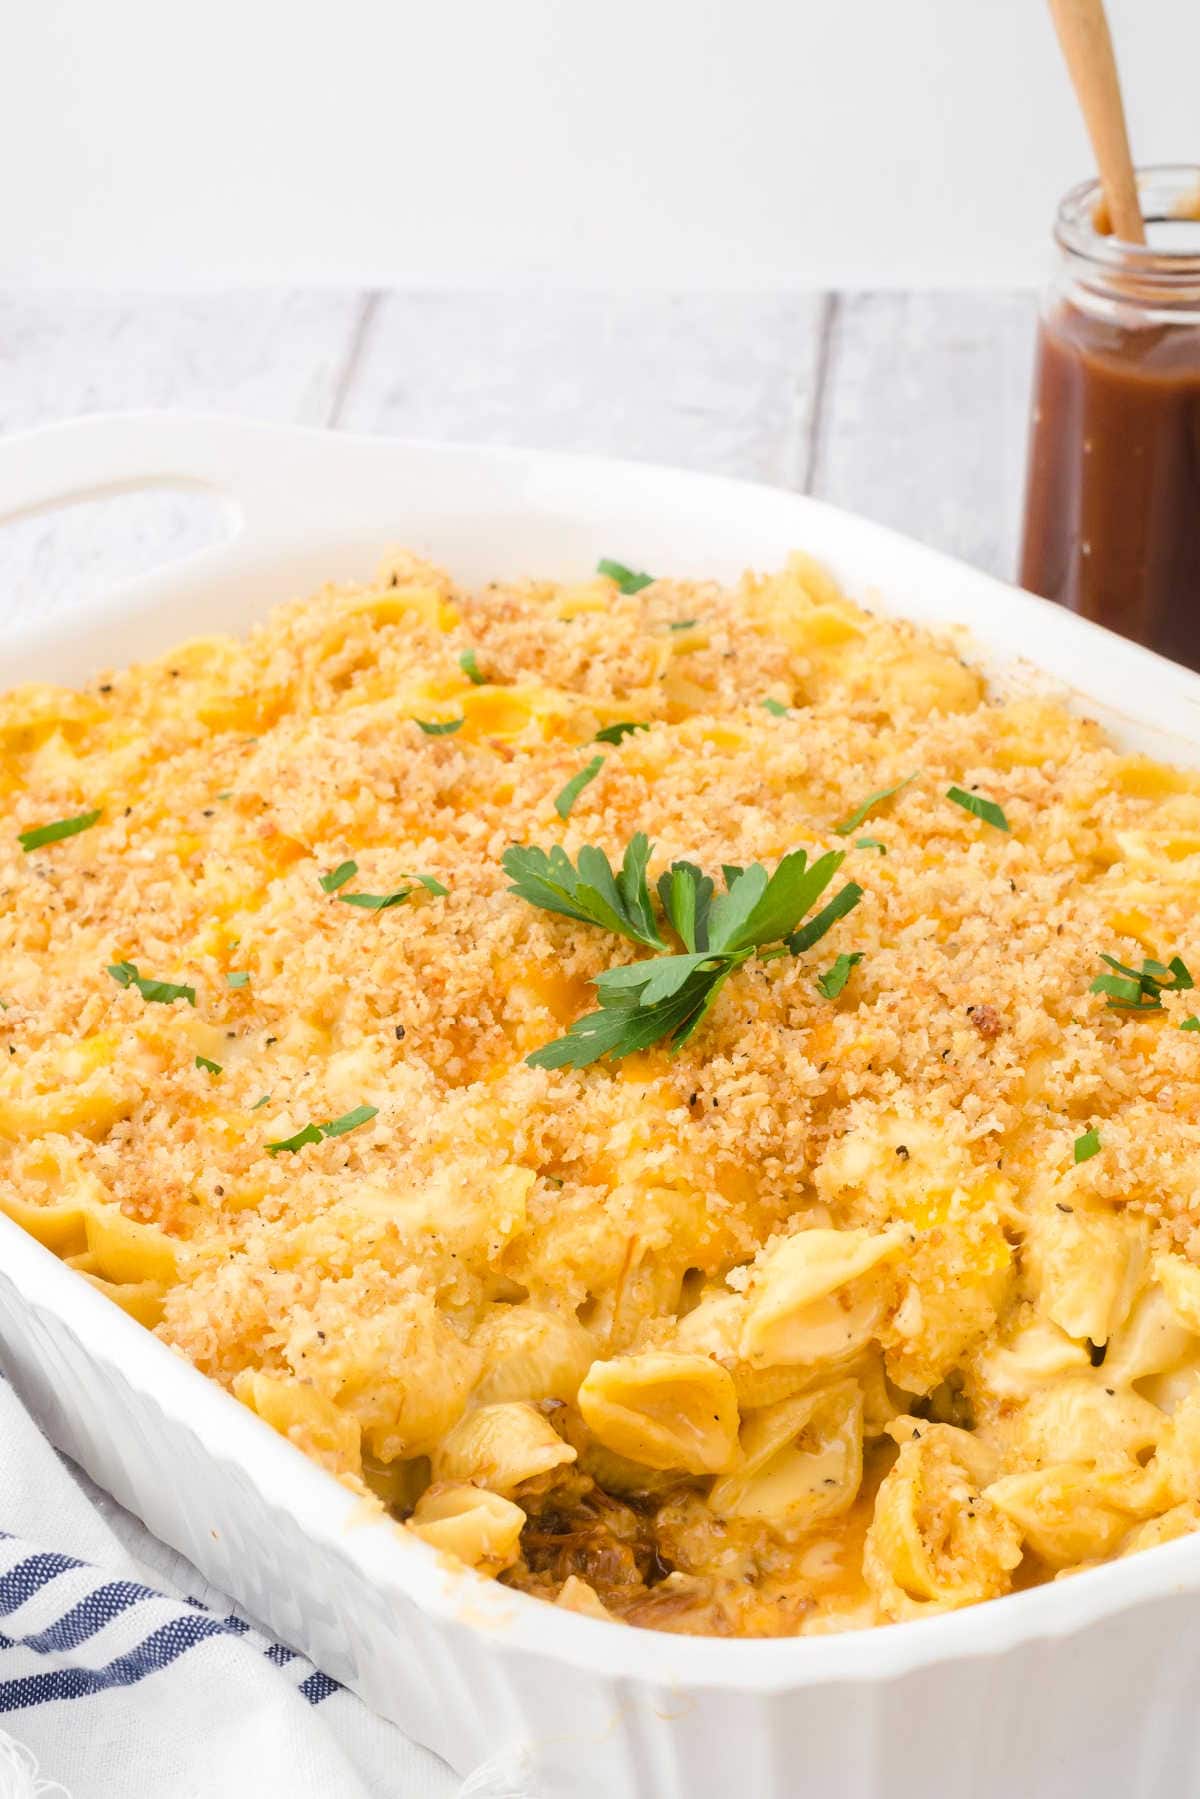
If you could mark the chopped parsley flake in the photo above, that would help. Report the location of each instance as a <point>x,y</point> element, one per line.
<point>627,579</point>
<point>575,786</point>
<point>238,978</point>
<point>834,979</point>
<point>614,733</point>
<point>63,827</point>
<point>469,663</point>
<point>337,877</point>
<point>349,1121</point>
<point>212,1067</point>
<point>1138,990</point>
<point>875,799</point>
<point>684,624</point>
<point>440,728</point>
<point>260,1103</point>
<point>1190,1024</point>
<point>775,708</point>
<point>1087,1146</point>
<point>376,902</point>
<point>227,795</point>
<point>125,974</point>
<point>313,1133</point>
<point>870,843</point>
<point>979,807</point>
<point>381,902</point>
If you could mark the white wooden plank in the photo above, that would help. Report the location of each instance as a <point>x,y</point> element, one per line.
<point>723,382</point>
<point>278,355</point>
<point>273,354</point>
<point>924,417</point>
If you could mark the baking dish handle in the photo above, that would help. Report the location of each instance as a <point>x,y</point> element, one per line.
<point>250,465</point>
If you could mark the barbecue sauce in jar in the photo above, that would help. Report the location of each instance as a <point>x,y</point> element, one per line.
<point>1112,507</point>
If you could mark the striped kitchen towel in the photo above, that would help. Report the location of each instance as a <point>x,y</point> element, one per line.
<point>124,1676</point>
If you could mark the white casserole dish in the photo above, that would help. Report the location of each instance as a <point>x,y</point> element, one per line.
<point>1084,1686</point>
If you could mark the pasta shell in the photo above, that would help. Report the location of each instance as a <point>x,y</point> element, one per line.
<point>663,1408</point>
<point>576,1595</point>
<point>1086,1266</point>
<point>935,1541</point>
<point>304,1416</point>
<point>801,1460</point>
<point>475,1526</point>
<point>1153,1340</point>
<point>1085,1419</point>
<point>1073,1512</point>
<point>813,1296</point>
<point>499,1446</point>
<point>1180,1282</point>
<point>531,1354</point>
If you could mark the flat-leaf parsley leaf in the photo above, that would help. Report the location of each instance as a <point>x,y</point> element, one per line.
<point>591,893</point>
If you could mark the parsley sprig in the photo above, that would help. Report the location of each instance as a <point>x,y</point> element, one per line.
<point>667,996</point>
<point>1138,989</point>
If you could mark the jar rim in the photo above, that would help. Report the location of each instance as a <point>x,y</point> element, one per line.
<point>1168,193</point>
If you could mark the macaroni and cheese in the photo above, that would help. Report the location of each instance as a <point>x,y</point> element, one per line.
<point>840,1266</point>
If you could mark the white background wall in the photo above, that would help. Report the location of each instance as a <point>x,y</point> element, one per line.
<point>612,143</point>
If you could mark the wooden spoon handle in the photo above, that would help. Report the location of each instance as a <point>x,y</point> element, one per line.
<point>1083,33</point>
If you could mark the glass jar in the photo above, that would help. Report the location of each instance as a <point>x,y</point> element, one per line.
<point>1112,503</point>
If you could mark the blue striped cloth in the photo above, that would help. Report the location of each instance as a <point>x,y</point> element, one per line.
<point>124,1676</point>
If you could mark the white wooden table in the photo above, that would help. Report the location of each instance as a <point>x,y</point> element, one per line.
<point>910,408</point>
